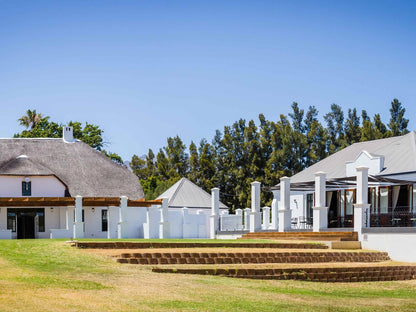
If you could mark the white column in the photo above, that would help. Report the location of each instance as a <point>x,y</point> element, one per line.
<point>247,219</point>
<point>78,224</point>
<point>123,224</point>
<point>275,208</point>
<point>285,214</point>
<point>320,211</point>
<point>361,208</point>
<point>266,218</point>
<point>69,217</point>
<point>215,211</point>
<point>255,222</point>
<point>164,226</point>
<point>112,227</point>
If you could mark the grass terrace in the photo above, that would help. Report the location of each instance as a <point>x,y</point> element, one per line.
<point>50,275</point>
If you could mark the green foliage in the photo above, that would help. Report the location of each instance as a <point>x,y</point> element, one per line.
<point>42,127</point>
<point>247,151</point>
<point>113,156</point>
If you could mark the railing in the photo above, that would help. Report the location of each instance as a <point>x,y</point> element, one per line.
<point>231,223</point>
<point>399,217</point>
<point>341,222</point>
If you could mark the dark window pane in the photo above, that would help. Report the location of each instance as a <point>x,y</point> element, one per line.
<point>104,221</point>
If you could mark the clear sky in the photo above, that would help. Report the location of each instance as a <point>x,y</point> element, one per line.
<point>146,70</point>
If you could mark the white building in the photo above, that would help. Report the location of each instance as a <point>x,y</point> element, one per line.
<point>391,192</point>
<point>64,188</point>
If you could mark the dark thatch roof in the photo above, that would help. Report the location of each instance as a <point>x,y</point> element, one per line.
<point>84,170</point>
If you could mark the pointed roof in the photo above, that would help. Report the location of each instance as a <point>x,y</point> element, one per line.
<point>184,193</point>
<point>399,157</point>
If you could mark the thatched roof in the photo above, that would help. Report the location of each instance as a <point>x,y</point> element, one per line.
<point>81,168</point>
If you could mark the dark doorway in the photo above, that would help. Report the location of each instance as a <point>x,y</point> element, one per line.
<point>26,226</point>
<point>26,222</point>
<point>333,210</point>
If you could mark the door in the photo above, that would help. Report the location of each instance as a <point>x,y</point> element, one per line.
<point>26,226</point>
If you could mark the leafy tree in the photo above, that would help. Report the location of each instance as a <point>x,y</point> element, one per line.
<point>44,128</point>
<point>139,168</point>
<point>352,128</point>
<point>398,124</point>
<point>31,119</point>
<point>194,169</point>
<point>297,117</point>
<point>113,156</point>
<point>335,126</point>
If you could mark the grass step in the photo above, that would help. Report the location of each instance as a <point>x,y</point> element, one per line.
<point>145,245</point>
<point>341,274</point>
<point>249,258</point>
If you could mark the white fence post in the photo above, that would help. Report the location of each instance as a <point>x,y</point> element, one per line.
<point>320,211</point>
<point>266,218</point>
<point>255,222</point>
<point>362,208</point>
<point>215,208</point>
<point>247,219</point>
<point>285,215</point>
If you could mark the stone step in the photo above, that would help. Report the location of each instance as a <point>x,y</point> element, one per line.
<point>340,274</point>
<point>323,236</point>
<point>246,258</point>
<point>145,245</point>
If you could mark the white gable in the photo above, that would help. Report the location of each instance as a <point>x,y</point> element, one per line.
<point>375,164</point>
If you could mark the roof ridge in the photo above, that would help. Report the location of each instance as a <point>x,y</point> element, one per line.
<point>181,181</point>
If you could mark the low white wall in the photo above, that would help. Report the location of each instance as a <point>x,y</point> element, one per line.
<point>5,234</point>
<point>400,246</point>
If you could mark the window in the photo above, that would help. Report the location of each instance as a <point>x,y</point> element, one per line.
<point>11,220</point>
<point>104,220</point>
<point>26,188</point>
<point>309,205</point>
<point>384,200</point>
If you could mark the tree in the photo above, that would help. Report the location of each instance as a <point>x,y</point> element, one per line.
<point>45,128</point>
<point>113,156</point>
<point>31,119</point>
<point>138,166</point>
<point>194,169</point>
<point>335,128</point>
<point>397,124</point>
<point>297,117</point>
<point>352,128</point>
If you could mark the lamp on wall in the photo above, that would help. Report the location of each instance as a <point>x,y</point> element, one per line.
<point>27,180</point>
<point>51,209</point>
<point>93,209</point>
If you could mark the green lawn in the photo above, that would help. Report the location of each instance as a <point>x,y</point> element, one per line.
<point>49,275</point>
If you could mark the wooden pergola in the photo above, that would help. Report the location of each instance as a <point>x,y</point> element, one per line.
<point>70,201</point>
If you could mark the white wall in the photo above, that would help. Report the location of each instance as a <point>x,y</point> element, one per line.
<point>400,246</point>
<point>11,186</point>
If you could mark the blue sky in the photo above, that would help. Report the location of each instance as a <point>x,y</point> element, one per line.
<point>146,70</point>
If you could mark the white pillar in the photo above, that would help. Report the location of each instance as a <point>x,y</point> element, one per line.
<point>247,219</point>
<point>266,218</point>
<point>285,214</point>
<point>215,211</point>
<point>112,227</point>
<point>69,217</point>
<point>123,224</point>
<point>320,211</point>
<point>164,226</point>
<point>275,208</point>
<point>78,224</point>
<point>255,222</point>
<point>362,208</point>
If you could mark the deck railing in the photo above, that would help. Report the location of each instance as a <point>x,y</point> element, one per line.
<point>397,217</point>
